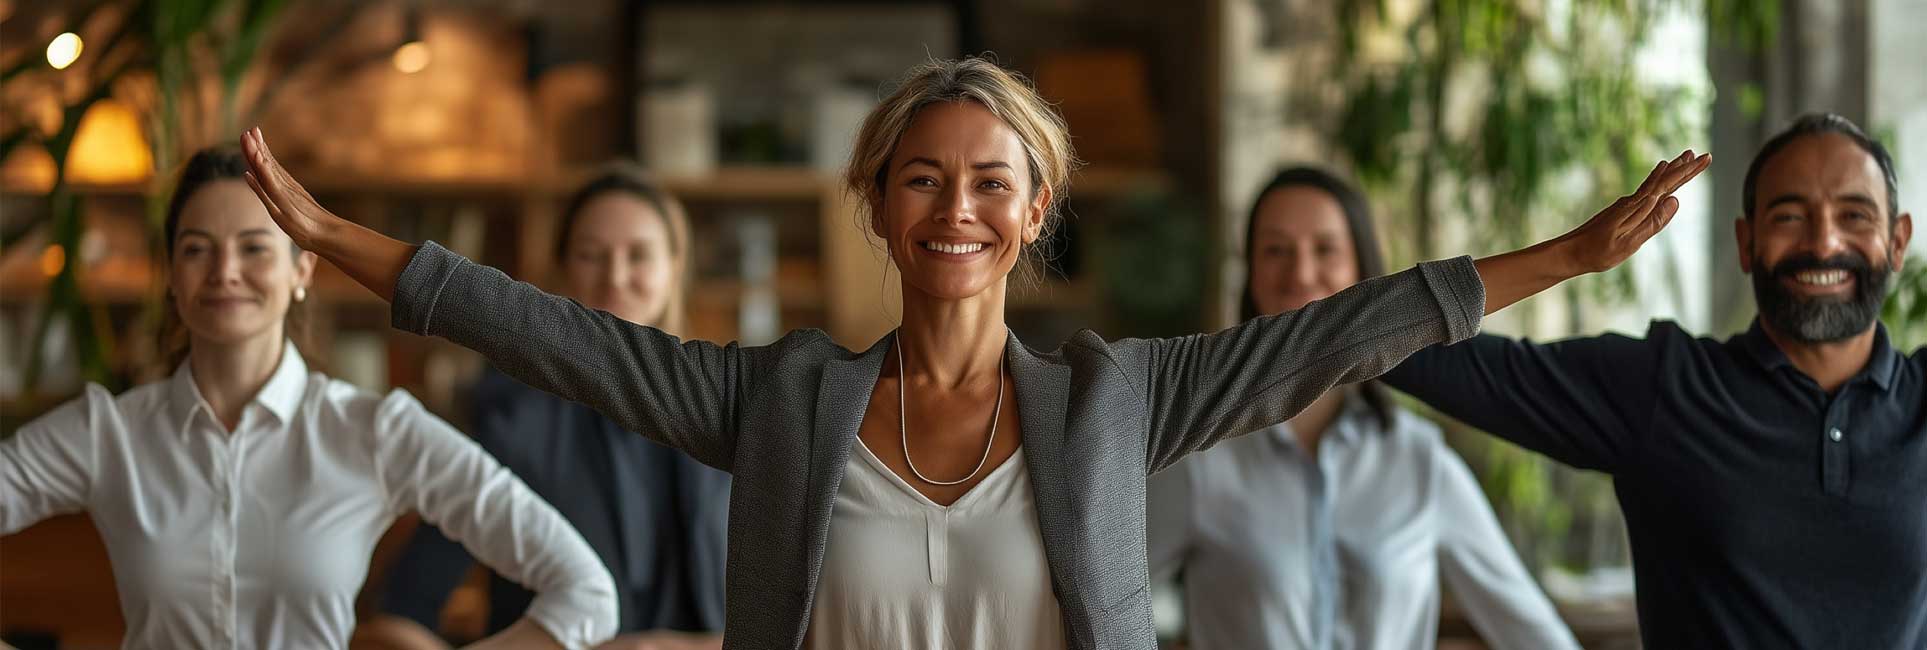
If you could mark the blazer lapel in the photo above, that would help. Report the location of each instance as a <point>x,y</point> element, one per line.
<point>1043,399</point>
<point>841,400</point>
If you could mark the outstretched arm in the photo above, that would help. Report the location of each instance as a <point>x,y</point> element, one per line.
<point>1201,389</point>
<point>680,394</point>
<point>1584,401</point>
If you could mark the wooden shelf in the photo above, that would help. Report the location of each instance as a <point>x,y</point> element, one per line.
<point>739,183</point>
<point>789,295</point>
<point>1053,294</point>
<point>754,184</point>
<point>1113,182</point>
<point>454,188</point>
<point>136,189</point>
<point>843,286</point>
<point>330,184</point>
<point>132,282</point>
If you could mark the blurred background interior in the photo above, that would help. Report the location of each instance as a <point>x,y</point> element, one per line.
<point>1476,126</point>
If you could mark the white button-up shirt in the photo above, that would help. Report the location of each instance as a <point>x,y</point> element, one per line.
<point>260,538</point>
<point>1344,551</point>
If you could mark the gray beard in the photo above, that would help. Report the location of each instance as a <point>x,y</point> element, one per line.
<point>1820,320</point>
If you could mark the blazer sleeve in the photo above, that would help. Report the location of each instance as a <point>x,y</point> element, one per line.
<point>682,394</point>
<point>1203,388</point>
<point>1168,521</point>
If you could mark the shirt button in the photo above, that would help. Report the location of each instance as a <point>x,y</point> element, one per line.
<point>1836,435</point>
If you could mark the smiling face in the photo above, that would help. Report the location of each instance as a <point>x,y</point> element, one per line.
<point>1820,244</point>
<point>232,272</point>
<point>1301,249</point>
<point>958,204</point>
<point>618,258</point>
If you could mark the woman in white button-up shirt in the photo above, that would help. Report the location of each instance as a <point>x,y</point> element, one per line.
<point>1334,529</point>
<point>241,498</point>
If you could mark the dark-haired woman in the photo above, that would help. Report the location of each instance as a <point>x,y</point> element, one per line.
<point>241,498</point>
<point>1334,529</point>
<point>657,518</point>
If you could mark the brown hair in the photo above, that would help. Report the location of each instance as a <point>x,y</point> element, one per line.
<point>629,178</point>
<point>1007,94</point>
<point>207,166</point>
<point>1365,251</point>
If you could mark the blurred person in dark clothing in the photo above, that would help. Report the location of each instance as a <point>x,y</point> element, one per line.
<point>655,516</point>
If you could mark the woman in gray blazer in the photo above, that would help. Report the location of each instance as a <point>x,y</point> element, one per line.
<point>834,451</point>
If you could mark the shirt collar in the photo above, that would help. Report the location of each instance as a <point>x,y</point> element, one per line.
<point>281,395</point>
<point>283,392</point>
<point>1882,361</point>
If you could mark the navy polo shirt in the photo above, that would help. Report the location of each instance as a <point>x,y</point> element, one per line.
<point>1762,511</point>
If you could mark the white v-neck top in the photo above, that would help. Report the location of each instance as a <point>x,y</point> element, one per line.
<point>903,572</point>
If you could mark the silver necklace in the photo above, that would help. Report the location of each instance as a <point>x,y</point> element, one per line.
<point>903,421</point>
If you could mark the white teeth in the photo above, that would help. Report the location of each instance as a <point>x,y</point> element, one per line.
<point>954,249</point>
<point>1820,278</point>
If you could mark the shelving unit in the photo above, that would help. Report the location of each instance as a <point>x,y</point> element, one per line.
<point>848,287</point>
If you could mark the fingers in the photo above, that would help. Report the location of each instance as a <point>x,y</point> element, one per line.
<point>278,175</point>
<point>1662,214</point>
<point>1661,171</point>
<point>260,159</point>
<point>266,201</point>
<point>269,175</point>
<point>289,189</point>
<point>1676,173</point>
<point>1687,171</point>
<point>1635,215</point>
<point>1653,221</point>
<point>1646,186</point>
<point>255,151</point>
<point>1667,177</point>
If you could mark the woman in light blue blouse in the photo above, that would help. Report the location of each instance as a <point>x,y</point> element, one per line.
<point>1334,530</point>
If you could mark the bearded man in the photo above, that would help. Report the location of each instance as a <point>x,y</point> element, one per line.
<point>1774,484</point>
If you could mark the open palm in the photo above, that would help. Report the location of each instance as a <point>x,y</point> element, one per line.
<point>1618,231</point>
<point>287,202</point>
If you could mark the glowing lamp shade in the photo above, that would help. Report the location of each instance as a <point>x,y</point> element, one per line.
<point>412,56</point>
<point>64,50</point>
<point>109,147</point>
<point>28,170</point>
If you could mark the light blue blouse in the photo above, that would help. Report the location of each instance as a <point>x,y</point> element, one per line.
<point>1342,552</point>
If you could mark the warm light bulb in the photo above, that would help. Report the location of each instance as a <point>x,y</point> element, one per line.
<point>64,50</point>
<point>411,57</point>
<point>52,259</point>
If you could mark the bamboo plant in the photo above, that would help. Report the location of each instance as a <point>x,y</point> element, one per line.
<point>177,48</point>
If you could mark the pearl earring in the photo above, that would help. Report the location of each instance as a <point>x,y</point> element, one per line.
<point>300,294</point>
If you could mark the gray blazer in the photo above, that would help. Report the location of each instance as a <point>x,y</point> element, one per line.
<point>1098,417</point>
